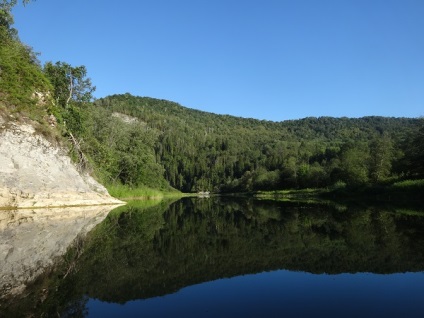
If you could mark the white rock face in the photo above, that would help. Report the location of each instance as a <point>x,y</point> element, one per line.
<point>32,239</point>
<point>35,173</point>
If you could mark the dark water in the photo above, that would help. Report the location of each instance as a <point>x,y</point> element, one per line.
<point>221,257</point>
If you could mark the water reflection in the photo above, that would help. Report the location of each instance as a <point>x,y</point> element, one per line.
<point>140,252</point>
<point>32,239</point>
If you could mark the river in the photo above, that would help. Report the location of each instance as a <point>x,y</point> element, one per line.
<point>223,257</point>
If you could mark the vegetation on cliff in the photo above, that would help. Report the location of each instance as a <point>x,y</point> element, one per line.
<point>23,86</point>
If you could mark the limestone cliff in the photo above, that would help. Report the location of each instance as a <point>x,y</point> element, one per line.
<point>36,173</point>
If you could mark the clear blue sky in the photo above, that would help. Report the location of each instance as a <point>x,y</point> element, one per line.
<point>267,59</point>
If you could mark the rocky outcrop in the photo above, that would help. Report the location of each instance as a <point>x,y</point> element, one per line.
<point>125,118</point>
<point>36,173</point>
<point>31,240</point>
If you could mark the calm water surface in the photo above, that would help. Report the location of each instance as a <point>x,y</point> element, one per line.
<point>221,257</point>
<point>283,294</point>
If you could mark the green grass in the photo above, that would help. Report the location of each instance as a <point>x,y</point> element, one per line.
<point>409,191</point>
<point>125,192</point>
<point>140,204</point>
<point>139,193</point>
<point>412,212</point>
<point>409,184</point>
<point>290,193</point>
<point>307,196</point>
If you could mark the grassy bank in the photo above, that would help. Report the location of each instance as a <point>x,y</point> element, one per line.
<point>407,190</point>
<point>409,185</point>
<point>287,195</point>
<point>123,192</point>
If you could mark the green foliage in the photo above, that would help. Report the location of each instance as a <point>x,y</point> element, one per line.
<point>409,184</point>
<point>124,192</point>
<point>355,159</point>
<point>6,17</point>
<point>24,90</point>
<point>409,189</point>
<point>381,157</point>
<point>413,163</point>
<point>206,152</point>
<point>121,153</point>
<point>70,83</point>
<point>9,4</point>
<point>339,185</point>
<point>20,76</point>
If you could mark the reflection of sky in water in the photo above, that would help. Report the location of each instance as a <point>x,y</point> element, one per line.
<point>283,294</point>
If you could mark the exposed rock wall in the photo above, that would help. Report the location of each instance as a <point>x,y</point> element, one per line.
<point>35,173</point>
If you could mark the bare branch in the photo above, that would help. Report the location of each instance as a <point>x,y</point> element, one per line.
<point>71,86</point>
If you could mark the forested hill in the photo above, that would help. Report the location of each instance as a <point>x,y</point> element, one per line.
<point>201,151</point>
<point>157,111</point>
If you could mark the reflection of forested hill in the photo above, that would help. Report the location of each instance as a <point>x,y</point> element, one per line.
<point>205,151</point>
<point>140,252</point>
<point>136,254</point>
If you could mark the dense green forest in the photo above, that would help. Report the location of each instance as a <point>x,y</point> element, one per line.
<point>201,151</point>
<point>140,141</point>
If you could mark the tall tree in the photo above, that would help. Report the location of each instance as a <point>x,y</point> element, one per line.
<point>354,163</point>
<point>381,156</point>
<point>71,84</point>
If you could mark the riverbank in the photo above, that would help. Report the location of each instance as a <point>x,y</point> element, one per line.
<point>127,193</point>
<point>405,191</point>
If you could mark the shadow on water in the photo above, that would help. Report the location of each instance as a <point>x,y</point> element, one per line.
<point>140,252</point>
